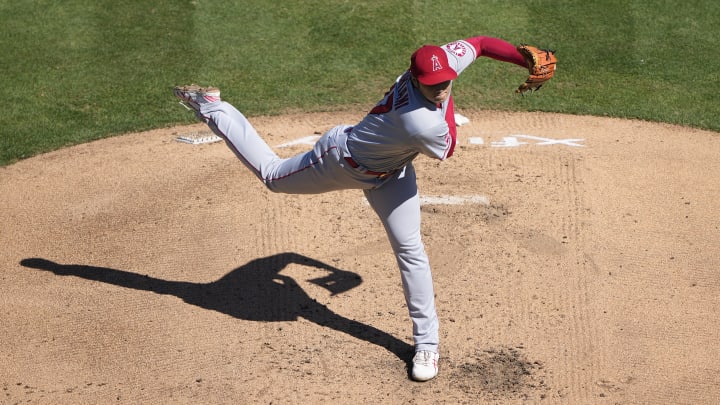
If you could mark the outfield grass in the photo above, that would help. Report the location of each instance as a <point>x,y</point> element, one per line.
<point>79,70</point>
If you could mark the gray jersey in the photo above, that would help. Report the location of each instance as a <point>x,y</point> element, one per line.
<point>405,124</point>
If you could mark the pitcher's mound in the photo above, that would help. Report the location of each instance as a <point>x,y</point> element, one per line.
<point>575,261</point>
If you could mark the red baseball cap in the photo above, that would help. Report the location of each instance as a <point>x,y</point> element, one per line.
<point>429,64</point>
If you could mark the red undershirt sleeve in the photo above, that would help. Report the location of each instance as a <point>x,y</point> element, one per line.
<point>498,49</point>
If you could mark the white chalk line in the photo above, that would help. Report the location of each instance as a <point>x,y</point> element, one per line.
<point>454,200</point>
<point>308,140</point>
<point>451,200</point>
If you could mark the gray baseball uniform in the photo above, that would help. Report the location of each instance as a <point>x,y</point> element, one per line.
<point>375,156</point>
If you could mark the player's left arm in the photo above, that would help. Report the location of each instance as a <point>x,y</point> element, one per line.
<point>497,49</point>
<point>462,53</point>
<point>541,63</point>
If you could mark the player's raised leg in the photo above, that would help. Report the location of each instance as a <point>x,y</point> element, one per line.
<point>316,171</point>
<point>231,125</point>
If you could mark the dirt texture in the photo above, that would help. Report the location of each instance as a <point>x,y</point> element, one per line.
<point>576,261</point>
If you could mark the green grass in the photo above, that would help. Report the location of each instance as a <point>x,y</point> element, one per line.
<point>79,70</point>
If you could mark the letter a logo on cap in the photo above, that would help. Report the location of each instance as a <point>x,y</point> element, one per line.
<point>436,65</point>
<point>430,65</point>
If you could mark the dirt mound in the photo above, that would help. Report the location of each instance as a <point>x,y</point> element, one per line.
<point>575,261</point>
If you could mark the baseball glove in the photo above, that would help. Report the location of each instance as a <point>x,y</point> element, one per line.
<point>541,65</point>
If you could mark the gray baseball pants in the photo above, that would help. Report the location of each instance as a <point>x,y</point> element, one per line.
<point>324,168</point>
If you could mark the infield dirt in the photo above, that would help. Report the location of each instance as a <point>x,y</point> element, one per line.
<point>576,261</point>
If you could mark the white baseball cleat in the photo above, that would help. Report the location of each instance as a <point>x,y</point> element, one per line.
<point>194,96</point>
<point>425,365</point>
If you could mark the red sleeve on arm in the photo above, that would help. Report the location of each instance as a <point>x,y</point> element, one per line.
<point>497,49</point>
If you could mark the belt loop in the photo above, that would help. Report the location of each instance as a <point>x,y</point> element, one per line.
<point>351,162</point>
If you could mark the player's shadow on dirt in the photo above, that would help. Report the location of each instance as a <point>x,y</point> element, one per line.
<point>255,292</point>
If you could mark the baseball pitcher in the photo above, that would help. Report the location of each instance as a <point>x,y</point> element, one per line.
<point>416,116</point>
